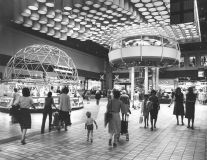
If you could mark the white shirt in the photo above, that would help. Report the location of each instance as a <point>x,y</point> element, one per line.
<point>65,102</point>
<point>25,102</point>
<point>89,121</point>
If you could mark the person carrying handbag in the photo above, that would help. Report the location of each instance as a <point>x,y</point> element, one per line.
<point>114,126</point>
<point>145,110</point>
<point>25,102</point>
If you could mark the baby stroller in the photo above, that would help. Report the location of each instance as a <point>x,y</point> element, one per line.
<point>57,123</point>
<point>124,126</point>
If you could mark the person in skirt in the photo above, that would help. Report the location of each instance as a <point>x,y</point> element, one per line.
<point>25,102</point>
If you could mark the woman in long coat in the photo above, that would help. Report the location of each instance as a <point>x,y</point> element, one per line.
<point>114,126</point>
<point>190,106</point>
<point>155,108</point>
<point>178,106</point>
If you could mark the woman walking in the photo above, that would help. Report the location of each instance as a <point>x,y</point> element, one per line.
<point>178,107</point>
<point>25,102</point>
<point>114,128</point>
<point>190,106</point>
<point>145,110</point>
<point>155,108</point>
<point>47,111</point>
<point>65,107</point>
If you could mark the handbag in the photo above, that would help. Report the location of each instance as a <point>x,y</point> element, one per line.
<point>141,119</point>
<point>15,113</point>
<point>108,115</point>
<point>14,109</point>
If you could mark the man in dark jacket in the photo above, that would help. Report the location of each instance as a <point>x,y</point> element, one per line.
<point>98,97</point>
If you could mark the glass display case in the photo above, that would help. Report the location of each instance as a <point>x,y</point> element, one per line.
<point>76,102</point>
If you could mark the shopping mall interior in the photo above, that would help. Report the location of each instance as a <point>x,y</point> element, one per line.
<point>100,45</point>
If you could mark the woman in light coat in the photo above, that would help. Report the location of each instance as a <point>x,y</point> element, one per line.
<point>114,127</point>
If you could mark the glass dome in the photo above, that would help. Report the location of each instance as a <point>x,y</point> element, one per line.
<point>41,64</point>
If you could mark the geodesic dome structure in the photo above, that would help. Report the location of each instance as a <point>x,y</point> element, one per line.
<point>41,64</point>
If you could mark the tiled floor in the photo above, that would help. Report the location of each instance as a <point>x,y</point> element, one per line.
<point>168,141</point>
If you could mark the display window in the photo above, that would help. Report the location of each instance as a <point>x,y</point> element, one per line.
<point>38,93</point>
<point>203,60</point>
<point>181,61</point>
<point>192,61</point>
<point>94,85</point>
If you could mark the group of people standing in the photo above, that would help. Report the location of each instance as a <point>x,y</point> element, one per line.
<point>25,102</point>
<point>179,101</point>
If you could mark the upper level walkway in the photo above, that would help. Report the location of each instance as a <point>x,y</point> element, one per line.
<point>168,142</point>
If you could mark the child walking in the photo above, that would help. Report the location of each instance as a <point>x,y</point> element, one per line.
<point>89,126</point>
<point>145,110</point>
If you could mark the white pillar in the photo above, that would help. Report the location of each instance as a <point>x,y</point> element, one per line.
<point>132,83</point>
<point>146,81</point>
<point>157,78</point>
<point>153,79</point>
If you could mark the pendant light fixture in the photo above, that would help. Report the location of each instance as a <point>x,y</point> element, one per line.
<point>36,26</point>
<point>51,32</point>
<point>44,29</point>
<point>68,5</point>
<point>42,9</point>
<point>50,3</point>
<point>43,19</point>
<point>51,23</point>
<point>50,13</point>
<point>33,5</point>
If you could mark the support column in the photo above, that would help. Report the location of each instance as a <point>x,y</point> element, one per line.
<point>108,76</point>
<point>146,81</point>
<point>153,78</point>
<point>157,78</point>
<point>132,83</point>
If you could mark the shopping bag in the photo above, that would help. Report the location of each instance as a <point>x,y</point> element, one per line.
<point>124,127</point>
<point>107,118</point>
<point>124,124</point>
<point>14,120</point>
<point>141,119</point>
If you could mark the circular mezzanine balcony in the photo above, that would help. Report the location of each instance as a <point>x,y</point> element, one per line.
<point>144,50</point>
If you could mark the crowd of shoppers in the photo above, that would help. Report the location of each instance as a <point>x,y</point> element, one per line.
<point>118,102</point>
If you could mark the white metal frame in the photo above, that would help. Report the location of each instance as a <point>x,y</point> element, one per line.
<point>31,63</point>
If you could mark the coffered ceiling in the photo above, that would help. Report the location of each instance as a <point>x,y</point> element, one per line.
<point>102,21</point>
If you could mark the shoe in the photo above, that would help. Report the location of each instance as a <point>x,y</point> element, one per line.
<point>151,128</point>
<point>182,124</point>
<point>23,142</point>
<point>91,140</point>
<point>154,126</point>
<point>87,139</point>
<point>42,132</point>
<point>114,145</point>
<point>110,142</point>
<point>177,123</point>
<point>192,127</point>
<point>145,127</point>
<point>188,126</point>
<point>66,129</point>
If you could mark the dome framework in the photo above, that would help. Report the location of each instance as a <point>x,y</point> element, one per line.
<point>41,64</point>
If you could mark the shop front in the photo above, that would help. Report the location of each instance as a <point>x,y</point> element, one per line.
<point>45,69</point>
